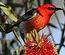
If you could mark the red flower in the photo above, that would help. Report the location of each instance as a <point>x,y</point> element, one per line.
<point>42,46</point>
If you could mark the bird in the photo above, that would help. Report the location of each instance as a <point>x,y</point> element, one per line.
<point>36,18</point>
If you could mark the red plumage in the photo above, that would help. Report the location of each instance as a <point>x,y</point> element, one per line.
<point>40,20</point>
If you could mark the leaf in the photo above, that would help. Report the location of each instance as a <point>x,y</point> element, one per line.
<point>52,25</point>
<point>8,43</point>
<point>2,28</point>
<point>29,37</point>
<point>5,28</point>
<point>2,5</point>
<point>33,36</point>
<point>31,3</point>
<point>7,12</point>
<point>8,28</point>
<point>16,52</point>
<point>22,52</point>
<point>15,5</point>
<point>36,35</point>
<point>5,50</point>
<point>17,36</point>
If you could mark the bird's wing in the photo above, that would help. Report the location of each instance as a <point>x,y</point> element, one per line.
<point>28,15</point>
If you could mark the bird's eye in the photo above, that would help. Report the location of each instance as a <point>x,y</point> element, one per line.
<point>49,8</point>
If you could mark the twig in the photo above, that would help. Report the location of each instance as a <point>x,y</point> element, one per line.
<point>62,39</point>
<point>62,45</point>
<point>26,8</point>
<point>58,21</point>
<point>51,34</point>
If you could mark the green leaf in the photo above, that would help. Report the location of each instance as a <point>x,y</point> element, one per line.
<point>8,43</point>
<point>2,28</point>
<point>5,28</point>
<point>31,3</point>
<point>29,37</point>
<point>7,12</point>
<point>33,36</point>
<point>36,36</point>
<point>5,50</point>
<point>15,5</point>
<point>22,52</point>
<point>16,52</point>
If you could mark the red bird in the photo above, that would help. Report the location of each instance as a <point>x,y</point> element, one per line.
<point>36,18</point>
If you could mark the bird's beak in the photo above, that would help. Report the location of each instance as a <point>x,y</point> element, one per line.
<point>58,9</point>
<point>55,9</point>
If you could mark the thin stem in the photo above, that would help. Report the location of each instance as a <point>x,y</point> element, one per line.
<point>62,39</point>
<point>62,35</point>
<point>51,34</point>
<point>17,37</point>
<point>62,45</point>
<point>31,3</point>
<point>58,21</point>
<point>26,8</point>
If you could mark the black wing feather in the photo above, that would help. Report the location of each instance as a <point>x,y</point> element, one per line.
<point>26,16</point>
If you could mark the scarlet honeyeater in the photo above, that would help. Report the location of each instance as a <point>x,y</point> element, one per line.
<point>36,18</point>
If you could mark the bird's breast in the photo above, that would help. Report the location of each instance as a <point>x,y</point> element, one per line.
<point>39,22</point>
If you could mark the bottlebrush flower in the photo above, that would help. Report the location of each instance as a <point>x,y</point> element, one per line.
<point>36,45</point>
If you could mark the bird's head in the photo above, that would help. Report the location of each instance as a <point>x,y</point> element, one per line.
<point>48,9</point>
